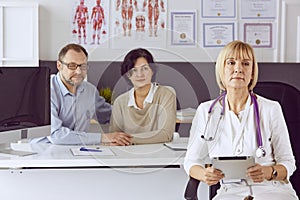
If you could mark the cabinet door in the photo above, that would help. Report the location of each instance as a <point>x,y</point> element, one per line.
<point>18,34</point>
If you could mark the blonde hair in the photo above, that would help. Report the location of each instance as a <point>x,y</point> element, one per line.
<point>238,50</point>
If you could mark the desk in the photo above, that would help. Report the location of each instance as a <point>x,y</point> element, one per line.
<point>138,172</point>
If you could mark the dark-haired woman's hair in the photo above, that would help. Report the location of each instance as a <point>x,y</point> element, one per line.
<point>131,58</point>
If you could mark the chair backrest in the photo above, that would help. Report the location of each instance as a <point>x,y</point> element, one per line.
<point>289,99</point>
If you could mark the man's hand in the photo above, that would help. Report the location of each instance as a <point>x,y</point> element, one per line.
<point>116,139</point>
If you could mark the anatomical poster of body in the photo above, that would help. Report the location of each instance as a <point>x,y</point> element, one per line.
<point>90,22</point>
<point>138,22</point>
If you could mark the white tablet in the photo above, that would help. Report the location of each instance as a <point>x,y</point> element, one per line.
<point>233,167</point>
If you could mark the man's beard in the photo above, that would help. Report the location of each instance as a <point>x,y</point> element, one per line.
<point>69,81</point>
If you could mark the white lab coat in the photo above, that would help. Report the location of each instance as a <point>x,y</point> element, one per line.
<point>233,139</point>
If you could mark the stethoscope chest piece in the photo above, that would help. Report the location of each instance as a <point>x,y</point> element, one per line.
<point>260,152</point>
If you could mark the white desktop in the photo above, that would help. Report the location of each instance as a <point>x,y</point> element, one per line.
<point>25,134</point>
<point>135,172</point>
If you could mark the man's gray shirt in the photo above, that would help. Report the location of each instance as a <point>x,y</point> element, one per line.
<point>71,113</point>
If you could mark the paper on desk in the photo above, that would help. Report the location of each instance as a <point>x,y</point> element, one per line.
<point>178,144</point>
<point>104,152</point>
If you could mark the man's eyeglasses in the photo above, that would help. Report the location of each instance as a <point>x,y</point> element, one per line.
<point>73,66</point>
<point>143,69</point>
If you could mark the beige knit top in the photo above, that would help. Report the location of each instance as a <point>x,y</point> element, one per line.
<point>155,123</point>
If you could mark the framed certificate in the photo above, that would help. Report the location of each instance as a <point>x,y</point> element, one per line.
<point>259,35</point>
<point>258,9</point>
<point>218,9</point>
<point>218,34</point>
<point>183,28</point>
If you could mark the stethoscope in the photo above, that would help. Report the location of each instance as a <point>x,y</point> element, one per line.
<point>260,151</point>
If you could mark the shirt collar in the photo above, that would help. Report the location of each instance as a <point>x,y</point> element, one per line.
<point>248,104</point>
<point>148,99</point>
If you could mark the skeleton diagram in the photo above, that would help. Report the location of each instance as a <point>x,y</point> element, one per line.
<point>140,23</point>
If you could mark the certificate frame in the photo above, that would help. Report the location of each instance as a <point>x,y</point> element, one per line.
<point>183,28</point>
<point>218,34</point>
<point>220,9</point>
<point>259,35</point>
<point>258,9</point>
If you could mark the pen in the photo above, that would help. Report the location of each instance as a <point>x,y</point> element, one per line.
<point>90,150</point>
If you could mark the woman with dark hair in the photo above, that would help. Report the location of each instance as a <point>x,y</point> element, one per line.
<point>147,111</point>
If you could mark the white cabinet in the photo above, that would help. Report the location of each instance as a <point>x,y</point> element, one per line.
<point>19,41</point>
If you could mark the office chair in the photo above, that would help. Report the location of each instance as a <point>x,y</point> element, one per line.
<point>191,190</point>
<point>289,99</point>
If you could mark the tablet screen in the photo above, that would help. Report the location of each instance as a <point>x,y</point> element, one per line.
<point>233,167</point>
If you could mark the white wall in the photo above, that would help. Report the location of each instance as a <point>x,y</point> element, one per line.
<point>293,11</point>
<point>55,18</point>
